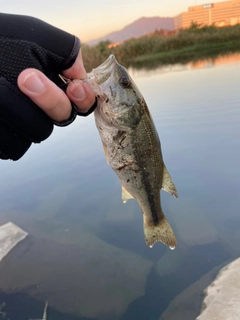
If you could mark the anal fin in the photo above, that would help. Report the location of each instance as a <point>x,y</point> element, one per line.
<point>126,195</point>
<point>167,183</point>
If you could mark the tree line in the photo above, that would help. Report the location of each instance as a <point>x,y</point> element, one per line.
<point>164,48</point>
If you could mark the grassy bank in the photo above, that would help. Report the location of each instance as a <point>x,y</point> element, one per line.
<point>190,44</point>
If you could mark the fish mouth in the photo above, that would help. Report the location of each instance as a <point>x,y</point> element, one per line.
<point>102,73</point>
<point>106,64</point>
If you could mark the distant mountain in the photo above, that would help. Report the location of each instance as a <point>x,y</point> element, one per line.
<point>137,29</point>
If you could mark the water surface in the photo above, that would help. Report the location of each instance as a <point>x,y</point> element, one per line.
<point>86,252</point>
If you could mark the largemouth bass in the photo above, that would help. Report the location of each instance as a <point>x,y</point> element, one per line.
<point>132,146</point>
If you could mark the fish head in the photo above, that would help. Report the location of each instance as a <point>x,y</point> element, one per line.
<point>120,101</point>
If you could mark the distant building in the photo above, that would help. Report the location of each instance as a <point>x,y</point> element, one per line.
<point>219,13</point>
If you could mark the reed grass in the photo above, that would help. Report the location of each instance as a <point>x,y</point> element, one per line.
<point>189,44</point>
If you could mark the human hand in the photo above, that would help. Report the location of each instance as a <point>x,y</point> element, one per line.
<point>50,98</point>
<point>32,55</point>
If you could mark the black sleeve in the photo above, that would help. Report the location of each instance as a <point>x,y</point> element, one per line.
<point>27,42</point>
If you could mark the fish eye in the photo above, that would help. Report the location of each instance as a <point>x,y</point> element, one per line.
<point>124,82</point>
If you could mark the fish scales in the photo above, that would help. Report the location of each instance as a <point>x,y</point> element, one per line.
<point>132,146</point>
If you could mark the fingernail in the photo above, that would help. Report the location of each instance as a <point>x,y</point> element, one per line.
<point>33,83</point>
<point>77,91</point>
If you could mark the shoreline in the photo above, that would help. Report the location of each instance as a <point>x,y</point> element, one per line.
<point>221,298</point>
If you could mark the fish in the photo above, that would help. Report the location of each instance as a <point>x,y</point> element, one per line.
<point>45,311</point>
<point>132,147</point>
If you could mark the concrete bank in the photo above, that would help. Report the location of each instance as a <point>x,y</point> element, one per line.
<point>222,297</point>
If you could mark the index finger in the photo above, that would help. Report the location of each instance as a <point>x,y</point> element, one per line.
<point>81,94</point>
<point>77,70</point>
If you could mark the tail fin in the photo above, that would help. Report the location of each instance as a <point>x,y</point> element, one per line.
<point>160,232</point>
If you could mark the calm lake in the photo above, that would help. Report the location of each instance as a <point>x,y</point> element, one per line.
<point>86,252</point>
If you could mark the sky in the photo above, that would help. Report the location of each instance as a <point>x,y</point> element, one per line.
<point>91,19</point>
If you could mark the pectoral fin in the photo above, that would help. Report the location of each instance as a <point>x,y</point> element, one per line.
<point>105,152</point>
<point>167,183</point>
<point>125,195</point>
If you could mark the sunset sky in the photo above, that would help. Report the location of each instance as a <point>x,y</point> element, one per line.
<point>91,19</point>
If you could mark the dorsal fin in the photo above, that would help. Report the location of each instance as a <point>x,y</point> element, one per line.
<point>167,183</point>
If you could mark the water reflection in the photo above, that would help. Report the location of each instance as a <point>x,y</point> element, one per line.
<point>211,62</point>
<point>86,254</point>
<point>183,59</point>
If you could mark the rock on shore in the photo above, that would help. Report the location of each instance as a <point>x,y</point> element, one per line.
<point>222,297</point>
<point>10,236</point>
